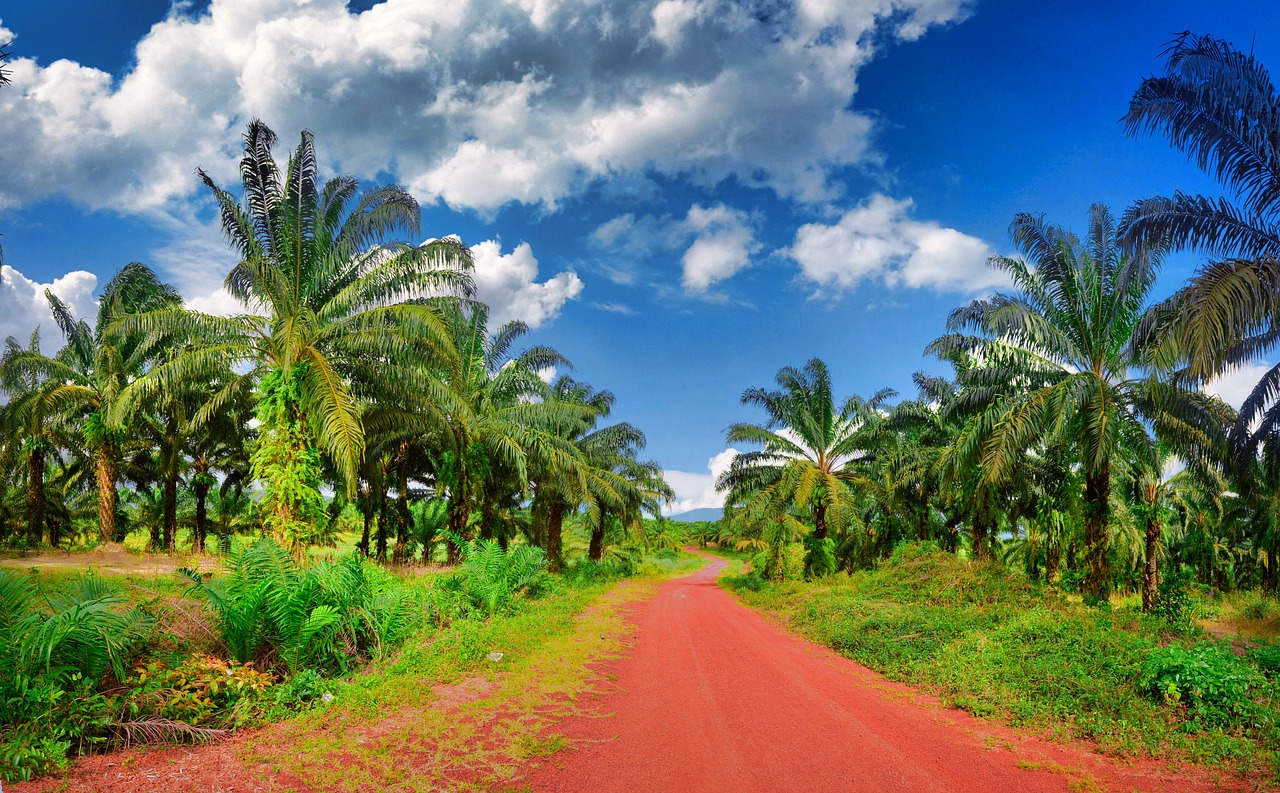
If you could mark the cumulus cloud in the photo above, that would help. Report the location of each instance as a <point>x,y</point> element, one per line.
<point>477,103</point>
<point>508,284</point>
<point>717,242</point>
<point>23,305</point>
<point>698,490</point>
<point>723,244</point>
<point>879,241</point>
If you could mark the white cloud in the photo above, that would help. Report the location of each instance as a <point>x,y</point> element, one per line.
<point>717,242</point>
<point>477,103</point>
<point>616,308</point>
<point>698,490</point>
<point>722,245</point>
<point>507,283</point>
<point>1234,386</point>
<point>879,241</point>
<point>23,305</point>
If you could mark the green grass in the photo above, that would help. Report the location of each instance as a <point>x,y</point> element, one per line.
<point>986,640</point>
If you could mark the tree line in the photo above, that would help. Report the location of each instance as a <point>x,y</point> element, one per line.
<point>1071,396</point>
<point>361,365</point>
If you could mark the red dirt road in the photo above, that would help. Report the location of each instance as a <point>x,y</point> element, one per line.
<point>715,698</point>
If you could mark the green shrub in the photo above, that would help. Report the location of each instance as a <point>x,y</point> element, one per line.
<point>331,615</point>
<point>666,553</point>
<point>198,691</point>
<point>748,582</point>
<point>1267,658</point>
<point>1173,600</point>
<point>491,578</point>
<point>30,751</point>
<point>1214,686</point>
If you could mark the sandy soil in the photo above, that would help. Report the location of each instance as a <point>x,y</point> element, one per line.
<point>715,698</point>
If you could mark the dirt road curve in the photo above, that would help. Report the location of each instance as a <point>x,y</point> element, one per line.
<point>714,698</point>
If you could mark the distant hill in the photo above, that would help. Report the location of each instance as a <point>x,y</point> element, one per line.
<point>706,513</point>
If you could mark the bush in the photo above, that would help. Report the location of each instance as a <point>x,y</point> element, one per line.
<point>491,578</point>
<point>1267,658</point>
<point>199,691</point>
<point>749,582</point>
<point>1173,600</point>
<point>331,615</point>
<point>666,553</point>
<point>1212,684</point>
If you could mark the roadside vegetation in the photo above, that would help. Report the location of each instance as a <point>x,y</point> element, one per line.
<point>1065,528</point>
<point>987,639</point>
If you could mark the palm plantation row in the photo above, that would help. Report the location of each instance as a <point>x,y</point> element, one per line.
<point>361,365</point>
<point>1073,394</point>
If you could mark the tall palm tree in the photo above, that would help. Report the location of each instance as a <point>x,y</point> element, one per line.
<point>1062,361</point>
<point>335,312</point>
<point>91,373</point>
<point>26,424</point>
<point>501,418</point>
<point>808,455</point>
<point>1219,106</point>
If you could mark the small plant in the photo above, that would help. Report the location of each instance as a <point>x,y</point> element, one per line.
<point>201,690</point>
<point>1213,685</point>
<point>493,577</point>
<point>1173,600</point>
<point>749,582</point>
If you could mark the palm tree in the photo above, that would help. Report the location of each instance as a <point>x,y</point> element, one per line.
<point>808,455</point>
<point>335,313</point>
<point>501,416</point>
<point>606,473</point>
<point>1219,106</point>
<point>1062,361</point>
<point>26,425</point>
<point>90,374</point>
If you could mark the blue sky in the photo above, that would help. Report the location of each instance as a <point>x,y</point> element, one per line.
<point>682,196</point>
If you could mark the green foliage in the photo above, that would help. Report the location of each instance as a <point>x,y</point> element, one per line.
<point>330,615</point>
<point>747,582</point>
<point>1214,686</point>
<point>1267,658</point>
<point>1173,600</point>
<point>199,690</point>
<point>287,462</point>
<point>988,640</point>
<point>819,556</point>
<point>491,578</point>
<point>83,629</point>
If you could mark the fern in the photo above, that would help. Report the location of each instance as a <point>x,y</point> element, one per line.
<point>328,616</point>
<point>494,577</point>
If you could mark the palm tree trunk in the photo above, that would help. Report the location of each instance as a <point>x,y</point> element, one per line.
<point>202,513</point>
<point>1097,565</point>
<point>35,495</point>
<point>170,509</point>
<point>596,550</point>
<point>366,511</point>
<point>1150,575</point>
<point>819,520</point>
<point>1052,557</point>
<point>384,521</point>
<point>107,495</point>
<point>555,532</point>
<point>402,503</point>
<point>459,511</point>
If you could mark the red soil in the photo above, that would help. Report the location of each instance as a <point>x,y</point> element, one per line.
<point>714,698</point>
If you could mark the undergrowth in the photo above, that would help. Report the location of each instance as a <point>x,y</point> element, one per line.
<point>987,640</point>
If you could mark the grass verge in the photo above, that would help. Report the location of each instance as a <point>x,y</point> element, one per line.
<point>986,640</point>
